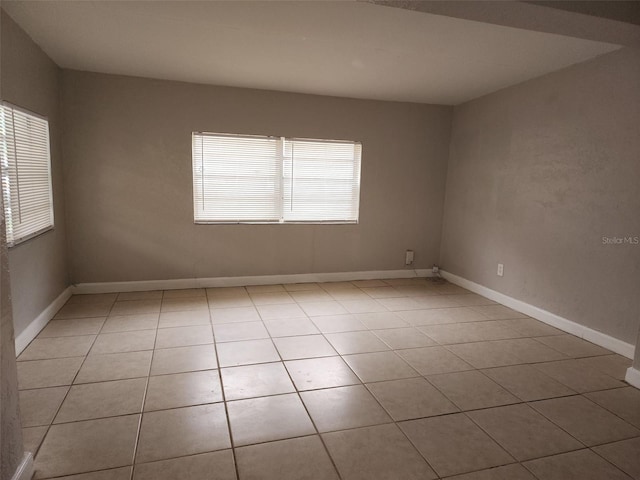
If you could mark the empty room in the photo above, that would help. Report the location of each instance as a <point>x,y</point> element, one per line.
<point>320,240</point>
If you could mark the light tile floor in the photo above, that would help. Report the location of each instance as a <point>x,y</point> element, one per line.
<point>394,379</point>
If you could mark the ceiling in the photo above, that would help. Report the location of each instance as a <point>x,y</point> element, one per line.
<point>342,48</point>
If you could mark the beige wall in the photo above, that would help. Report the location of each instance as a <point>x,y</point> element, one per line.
<point>11,447</point>
<point>38,267</point>
<point>127,144</point>
<point>636,358</point>
<point>538,174</point>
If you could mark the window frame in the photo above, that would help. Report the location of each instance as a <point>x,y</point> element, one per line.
<point>281,159</point>
<point>6,208</point>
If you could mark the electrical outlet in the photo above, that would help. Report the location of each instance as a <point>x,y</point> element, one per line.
<point>408,258</point>
<point>500,270</point>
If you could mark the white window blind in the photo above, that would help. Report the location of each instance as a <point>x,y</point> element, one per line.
<point>321,180</point>
<point>251,179</point>
<point>26,174</point>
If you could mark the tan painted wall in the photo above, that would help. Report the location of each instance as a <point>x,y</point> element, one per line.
<point>11,446</point>
<point>636,358</point>
<point>538,174</point>
<point>127,145</point>
<point>38,267</point>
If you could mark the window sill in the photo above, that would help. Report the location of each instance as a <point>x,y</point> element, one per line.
<point>23,240</point>
<point>244,222</point>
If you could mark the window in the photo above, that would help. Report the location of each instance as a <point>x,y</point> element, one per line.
<point>251,179</point>
<point>26,174</point>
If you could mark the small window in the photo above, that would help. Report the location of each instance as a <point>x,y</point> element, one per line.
<point>251,179</point>
<point>26,174</point>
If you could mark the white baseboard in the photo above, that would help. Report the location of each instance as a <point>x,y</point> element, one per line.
<point>36,325</point>
<point>569,326</point>
<point>633,377</point>
<point>145,285</point>
<point>25,469</point>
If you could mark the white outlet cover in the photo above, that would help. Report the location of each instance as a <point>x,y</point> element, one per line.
<point>500,269</point>
<point>409,257</point>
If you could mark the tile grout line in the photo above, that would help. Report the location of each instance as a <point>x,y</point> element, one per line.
<point>592,449</point>
<point>70,386</point>
<point>396,422</point>
<point>479,409</point>
<point>341,356</point>
<point>361,383</point>
<point>464,412</point>
<point>144,397</point>
<point>222,392</point>
<point>584,394</point>
<point>297,392</point>
<point>583,446</point>
<point>588,400</point>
